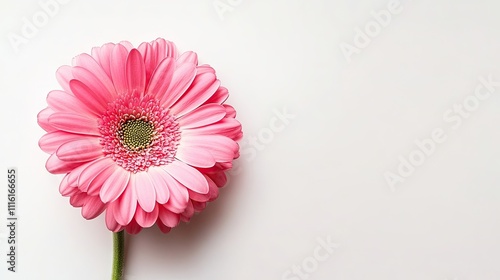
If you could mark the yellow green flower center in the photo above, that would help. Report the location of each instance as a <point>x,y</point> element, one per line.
<point>136,134</point>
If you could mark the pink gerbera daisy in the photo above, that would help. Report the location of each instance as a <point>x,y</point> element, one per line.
<point>142,134</point>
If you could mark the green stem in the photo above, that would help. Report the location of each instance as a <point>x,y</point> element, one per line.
<point>118,253</point>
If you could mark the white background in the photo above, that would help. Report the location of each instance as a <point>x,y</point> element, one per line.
<point>319,176</point>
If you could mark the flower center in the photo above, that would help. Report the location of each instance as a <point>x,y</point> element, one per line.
<point>136,134</point>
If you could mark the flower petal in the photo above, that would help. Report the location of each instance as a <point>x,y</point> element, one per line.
<point>52,140</point>
<point>202,88</point>
<point>99,78</point>
<point>65,188</point>
<point>212,194</point>
<point>74,123</point>
<point>126,205</point>
<point>146,219</point>
<point>203,115</point>
<point>163,227</point>
<point>92,185</point>
<point>149,57</point>
<point>222,148</point>
<point>183,77</point>
<point>93,207</point>
<point>160,184</point>
<point>118,62</point>
<point>64,75</point>
<point>161,78</point>
<point>114,185</point>
<point>195,156</point>
<point>190,57</point>
<point>78,200</point>
<point>219,96</point>
<point>145,190</point>
<point>56,166</point>
<point>136,73</point>
<point>168,218</point>
<point>102,55</point>
<point>66,102</point>
<point>133,227</point>
<point>179,195</point>
<point>87,97</point>
<point>80,150</point>
<point>43,119</point>
<point>187,176</point>
<point>111,222</point>
<point>228,127</point>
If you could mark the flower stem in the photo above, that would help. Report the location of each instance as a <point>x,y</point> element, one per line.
<point>118,253</point>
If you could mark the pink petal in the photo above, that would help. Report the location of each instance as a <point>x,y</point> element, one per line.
<point>118,61</point>
<point>63,76</point>
<point>99,78</point>
<point>94,184</point>
<point>126,204</point>
<point>75,173</point>
<point>179,195</point>
<point>101,93</point>
<point>136,73</point>
<point>52,140</point>
<point>164,49</point>
<point>57,166</point>
<point>91,171</point>
<point>222,148</point>
<point>111,222</point>
<point>163,227</point>
<point>183,77</point>
<point>74,123</point>
<point>43,119</point>
<point>80,150</point>
<point>199,206</point>
<point>115,185</point>
<point>230,111</point>
<point>188,213</point>
<point>205,68</point>
<point>65,188</point>
<point>149,57</point>
<point>190,57</point>
<point>202,88</point>
<point>93,207</point>
<point>160,184</point>
<point>228,127</point>
<point>168,218</point>
<point>86,96</point>
<point>127,45</point>
<point>78,200</point>
<point>146,219</point>
<point>219,96</point>
<point>195,156</point>
<point>187,176</point>
<point>133,227</point>
<point>102,55</point>
<point>145,190</point>
<point>161,78</point>
<point>212,194</point>
<point>203,115</point>
<point>66,102</point>
<point>219,178</point>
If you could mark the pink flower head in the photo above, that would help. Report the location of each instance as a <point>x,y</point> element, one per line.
<point>141,133</point>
